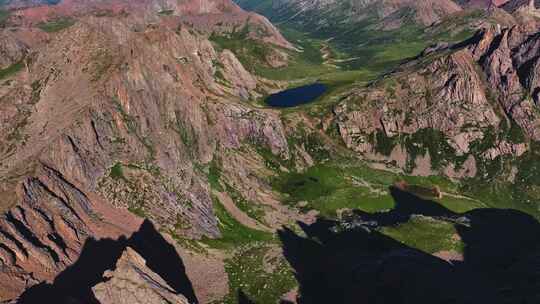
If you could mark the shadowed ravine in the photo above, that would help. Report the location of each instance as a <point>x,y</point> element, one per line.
<point>74,285</point>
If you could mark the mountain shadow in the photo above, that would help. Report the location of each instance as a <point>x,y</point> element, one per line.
<point>243,298</point>
<point>162,258</point>
<point>74,284</point>
<point>406,205</point>
<point>361,265</point>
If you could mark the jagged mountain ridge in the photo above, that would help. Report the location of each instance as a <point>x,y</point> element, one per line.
<point>208,15</point>
<point>377,35</point>
<point>426,12</point>
<point>144,268</point>
<point>463,91</point>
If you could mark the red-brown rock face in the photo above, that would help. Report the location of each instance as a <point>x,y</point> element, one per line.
<point>205,15</point>
<point>460,91</point>
<point>510,64</point>
<point>132,282</point>
<point>115,113</point>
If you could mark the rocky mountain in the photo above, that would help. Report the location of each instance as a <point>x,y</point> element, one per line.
<point>521,5</point>
<point>26,3</point>
<point>468,93</point>
<point>144,268</point>
<point>364,34</point>
<point>391,13</point>
<point>115,112</point>
<point>138,163</point>
<point>133,282</point>
<point>481,3</point>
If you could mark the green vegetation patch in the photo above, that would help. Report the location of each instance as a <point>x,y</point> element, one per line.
<point>493,186</point>
<point>333,186</point>
<point>56,25</point>
<point>232,232</point>
<point>252,209</point>
<point>117,172</point>
<point>271,161</point>
<point>426,234</point>
<point>250,52</point>
<point>311,141</point>
<point>328,188</point>
<point>214,174</point>
<point>166,12</point>
<point>460,204</point>
<point>11,70</point>
<point>363,44</point>
<point>308,61</point>
<point>138,210</point>
<point>261,273</point>
<point>433,142</point>
<point>383,144</point>
<point>454,198</point>
<point>4,15</point>
<point>186,132</point>
<point>253,54</point>
<point>423,142</point>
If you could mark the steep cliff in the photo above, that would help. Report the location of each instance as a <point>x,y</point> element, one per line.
<point>112,117</point>
<point>133,282</point>
<point>453,106</point>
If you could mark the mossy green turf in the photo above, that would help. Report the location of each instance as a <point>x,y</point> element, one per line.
<point>329,188</point>
<point>232,232</point>
<point>252,54</point>
<point>332,186</point>
<point>426,234</point>
<point>214,175</point>
<point>262,280</point>
<point>117,171</point>
<point>11,70</point>
<point>56,25</point>
<point>4,15</point>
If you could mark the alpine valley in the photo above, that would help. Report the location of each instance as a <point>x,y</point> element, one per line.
<point>269,151</point>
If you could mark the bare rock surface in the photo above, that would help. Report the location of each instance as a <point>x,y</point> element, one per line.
<point>115,119</point>
<point>465,92</point>
<point>427,12</point>
<point>133,282</point>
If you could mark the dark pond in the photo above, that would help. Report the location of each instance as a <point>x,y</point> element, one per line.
<point>296,96</point>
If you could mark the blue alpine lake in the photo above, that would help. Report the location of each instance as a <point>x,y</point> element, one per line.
<point>296,96</point>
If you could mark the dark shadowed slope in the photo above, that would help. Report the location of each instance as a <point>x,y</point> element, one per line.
<point>74,285</point>
<point>360,265</point>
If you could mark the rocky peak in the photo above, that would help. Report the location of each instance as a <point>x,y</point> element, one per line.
<point>207,15</point>
<point>510,67</point>
<point>481,3</point>
<point>133,282</point>
<point>489,83</point>
<point>112,120</point>
<point>520,5</point>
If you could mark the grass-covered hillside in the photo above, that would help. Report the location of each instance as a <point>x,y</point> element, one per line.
<point>366,41</point>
